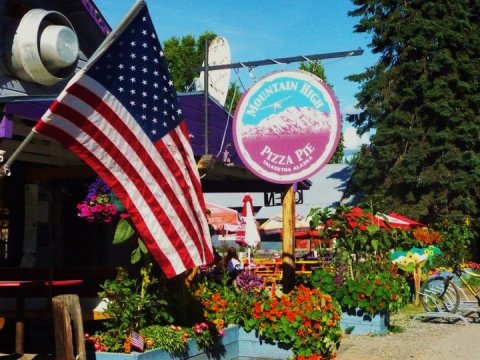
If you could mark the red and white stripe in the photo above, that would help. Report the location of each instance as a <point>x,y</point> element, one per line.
<point>158,183</point>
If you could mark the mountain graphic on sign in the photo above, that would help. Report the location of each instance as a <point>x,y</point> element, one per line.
<point>293,121</point>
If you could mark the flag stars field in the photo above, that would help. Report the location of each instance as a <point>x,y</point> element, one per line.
<point>126,124</point>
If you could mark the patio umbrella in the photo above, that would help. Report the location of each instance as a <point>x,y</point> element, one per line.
<point>387,221</point>
<point>249,235</point>
<point>397,220</point>
<point>221,217</point>
<point>274,225</point>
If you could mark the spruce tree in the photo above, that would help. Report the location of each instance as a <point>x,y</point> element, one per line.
<point>423,99</point>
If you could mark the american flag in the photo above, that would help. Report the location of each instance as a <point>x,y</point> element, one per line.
<point>122,117</point>
<point>136,340</point>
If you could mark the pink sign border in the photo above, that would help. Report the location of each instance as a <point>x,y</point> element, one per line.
<point>279,179</point>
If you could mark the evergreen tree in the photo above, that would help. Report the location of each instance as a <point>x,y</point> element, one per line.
<point>423,99</point>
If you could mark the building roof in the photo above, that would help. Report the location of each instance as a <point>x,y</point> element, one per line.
<point>326,191</point>
<point>24,102</point>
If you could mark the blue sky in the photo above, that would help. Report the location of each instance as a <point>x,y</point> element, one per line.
<point>266,29</point>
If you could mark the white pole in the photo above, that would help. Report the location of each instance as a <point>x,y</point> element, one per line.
<point>5,169</point>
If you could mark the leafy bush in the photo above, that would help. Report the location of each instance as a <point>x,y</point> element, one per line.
<point>305,320</point>
<point>172,339</point>
<point>456,243</point>
<point>373,293</point>
<point>133,304</point>
<point>225,304</point>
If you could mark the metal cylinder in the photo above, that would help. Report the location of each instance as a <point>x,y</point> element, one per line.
<point>45,48</point>
<point>58,47</point>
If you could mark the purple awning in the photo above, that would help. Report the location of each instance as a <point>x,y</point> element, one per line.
<point>192,104</point>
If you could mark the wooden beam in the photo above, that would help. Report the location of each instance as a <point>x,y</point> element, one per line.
<point>288,240</point>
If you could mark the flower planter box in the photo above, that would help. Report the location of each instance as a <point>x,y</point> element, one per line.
<point>364,323</point>
<point>250,346</point>
<point>236,343</point>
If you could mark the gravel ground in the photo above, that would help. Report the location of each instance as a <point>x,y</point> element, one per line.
<point>421,340</point>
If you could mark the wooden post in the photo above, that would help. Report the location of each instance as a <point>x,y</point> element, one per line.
<point>288,240</point>
<point>417,278</point>
<point>67,312</point>
<point>20,322</point>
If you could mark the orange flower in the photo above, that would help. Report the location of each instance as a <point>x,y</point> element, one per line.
<point>127,347</point>
<point>149,343</point>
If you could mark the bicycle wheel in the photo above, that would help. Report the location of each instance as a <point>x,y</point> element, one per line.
<point>437,295</point>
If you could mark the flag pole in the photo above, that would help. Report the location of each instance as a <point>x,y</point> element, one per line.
<point>5,169</point>
<point>114,33</point>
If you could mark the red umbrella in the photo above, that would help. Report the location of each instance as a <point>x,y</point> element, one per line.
<point>392,220</point>
<point>397,220</point>
<point>221,216</point>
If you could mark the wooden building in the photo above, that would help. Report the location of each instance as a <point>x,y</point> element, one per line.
<point>38,217</point>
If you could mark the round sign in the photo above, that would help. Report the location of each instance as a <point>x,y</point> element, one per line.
<point>287,126</point>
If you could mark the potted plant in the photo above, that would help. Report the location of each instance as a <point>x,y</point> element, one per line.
<point>366,301</point>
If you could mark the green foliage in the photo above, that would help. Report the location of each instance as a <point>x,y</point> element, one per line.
<point>305,320</point>
<point>359,242</point>
<point>172,339</point>
<point>223,304</point>
<point>374,293</point>
<point>132,304</point>
<point>185,56</point>
<point>455,244</point>
<point>233,97</point>
<point>422,98</point>
<point>123,232</point>
<point>315,67</point>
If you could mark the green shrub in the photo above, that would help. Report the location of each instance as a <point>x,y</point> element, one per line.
<point>373,293</point>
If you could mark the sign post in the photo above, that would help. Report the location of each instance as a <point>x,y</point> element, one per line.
<point>288,239</point>
<point>286,127</point>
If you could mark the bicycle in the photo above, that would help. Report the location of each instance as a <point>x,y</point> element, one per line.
<point>439,294</point>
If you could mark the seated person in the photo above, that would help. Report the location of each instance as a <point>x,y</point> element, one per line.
<point>232,263</point>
